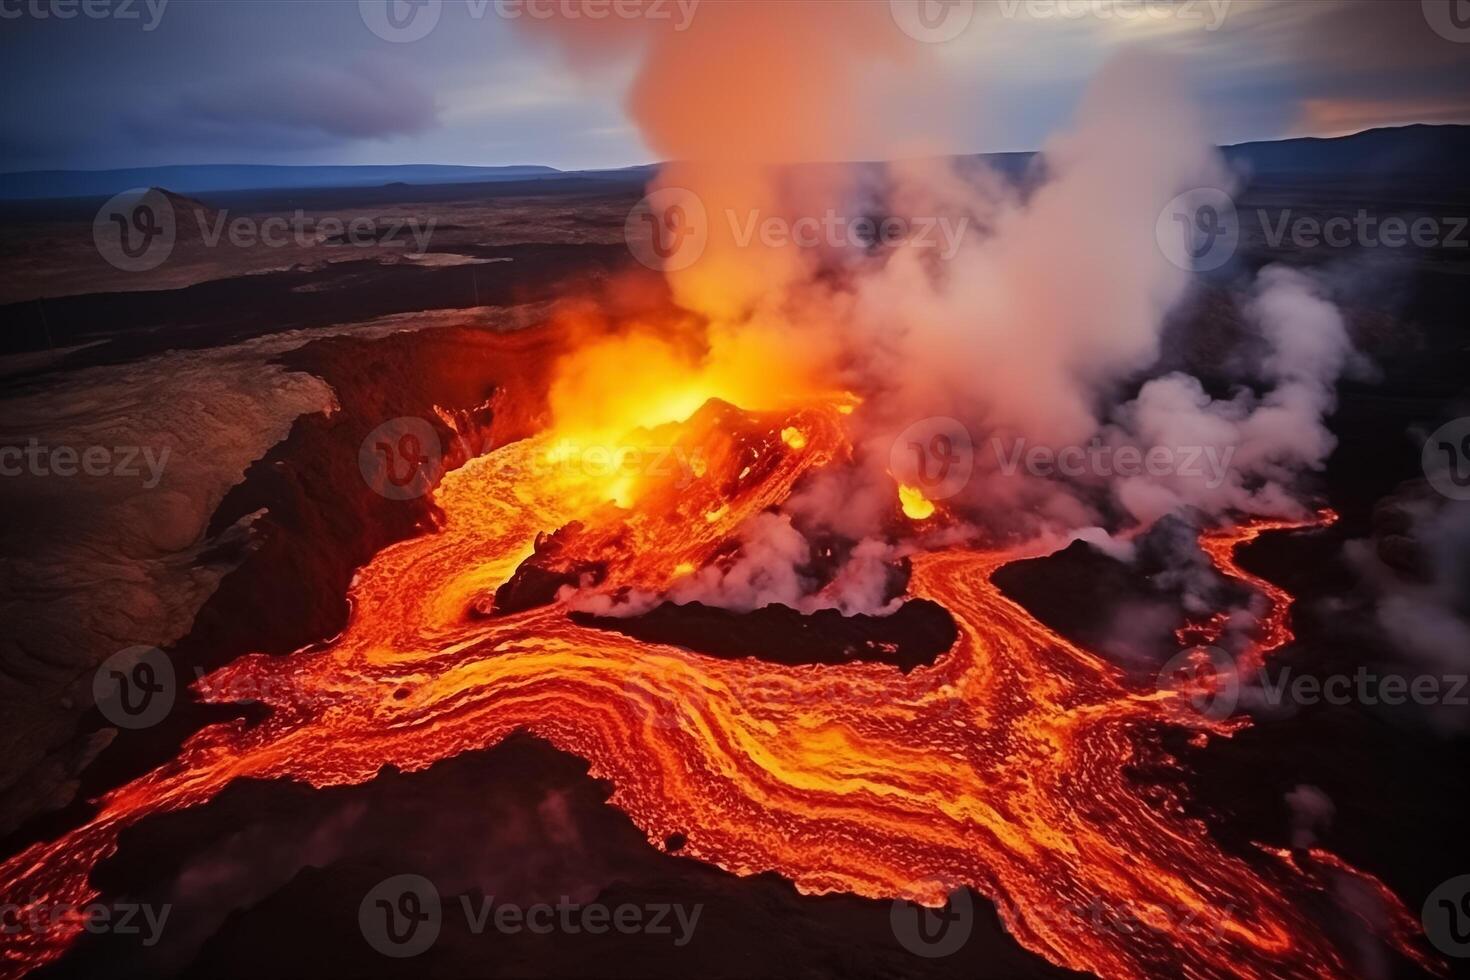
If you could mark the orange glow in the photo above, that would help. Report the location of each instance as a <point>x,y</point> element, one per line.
<point>915,505</point>
<point>1003,766</point>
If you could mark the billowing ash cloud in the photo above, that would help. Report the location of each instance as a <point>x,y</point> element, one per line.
<point>297,105</point>
<point>1252,447</point>
<point>1037,324</point>
<point>1417,574</point>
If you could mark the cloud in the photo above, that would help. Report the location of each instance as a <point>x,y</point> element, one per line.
<point>302,105</point>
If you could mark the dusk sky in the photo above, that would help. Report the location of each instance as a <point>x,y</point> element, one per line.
<point>310,83</point>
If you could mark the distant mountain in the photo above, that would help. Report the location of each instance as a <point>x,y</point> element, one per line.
<point>211,178</point>
<point>1396,151</point>
<point>1418,149</point>
<point>1386,152</point>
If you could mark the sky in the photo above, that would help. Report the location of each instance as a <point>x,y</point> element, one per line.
<point>101,84</point>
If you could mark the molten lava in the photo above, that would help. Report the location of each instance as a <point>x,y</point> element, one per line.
<point>1002,767</point>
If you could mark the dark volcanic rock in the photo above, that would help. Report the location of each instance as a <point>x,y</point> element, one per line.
<point>269,879</point>
<point>1128,610</point>
<point>913,636</point>
<point>538,578</point>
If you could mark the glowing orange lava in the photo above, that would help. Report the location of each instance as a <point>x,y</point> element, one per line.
<point>1002,767</point>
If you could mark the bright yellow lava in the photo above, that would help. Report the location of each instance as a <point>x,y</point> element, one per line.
<point>915,505</point>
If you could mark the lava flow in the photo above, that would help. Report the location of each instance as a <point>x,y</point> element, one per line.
<point>1002,767</point>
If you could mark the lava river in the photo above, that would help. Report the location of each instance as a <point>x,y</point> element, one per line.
<point>1002,767</point>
